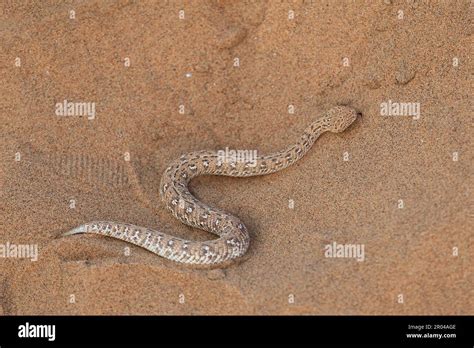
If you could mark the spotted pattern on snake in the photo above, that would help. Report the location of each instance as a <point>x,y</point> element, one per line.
<point>233,238</point>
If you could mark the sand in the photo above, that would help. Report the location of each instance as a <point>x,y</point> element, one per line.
<point>164,85</point>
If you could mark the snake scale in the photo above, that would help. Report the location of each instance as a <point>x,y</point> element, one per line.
<point>233,240</point>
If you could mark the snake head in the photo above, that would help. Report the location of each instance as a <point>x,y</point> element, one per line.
<point>340,117</point>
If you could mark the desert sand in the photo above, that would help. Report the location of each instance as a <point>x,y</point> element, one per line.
<point>170,77</point>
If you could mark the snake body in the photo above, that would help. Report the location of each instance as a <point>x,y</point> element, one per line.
<point>233,238</point>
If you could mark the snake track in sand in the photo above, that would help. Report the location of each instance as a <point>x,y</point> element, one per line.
<point>233,239</point>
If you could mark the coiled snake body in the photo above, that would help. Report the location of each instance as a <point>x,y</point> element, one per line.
<point>233,239</point>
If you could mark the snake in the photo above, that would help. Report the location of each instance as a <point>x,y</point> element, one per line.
<point>233,237</point>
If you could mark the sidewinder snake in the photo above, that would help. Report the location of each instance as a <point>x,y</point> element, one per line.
<point>233,240</point>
